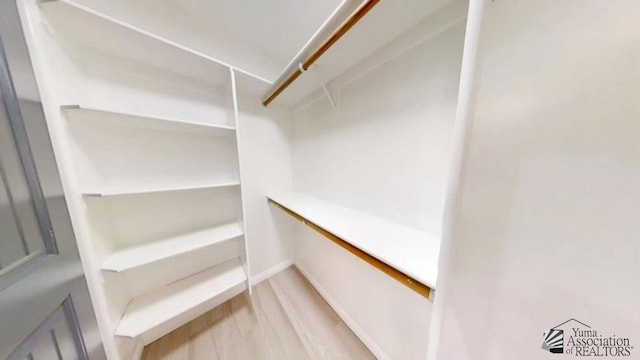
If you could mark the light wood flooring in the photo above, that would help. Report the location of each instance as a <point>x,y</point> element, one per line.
<point>285,318</point>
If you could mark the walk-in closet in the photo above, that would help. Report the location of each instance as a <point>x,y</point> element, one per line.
<point>285,179</point>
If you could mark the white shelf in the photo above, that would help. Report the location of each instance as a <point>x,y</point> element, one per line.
<point>411,251</point>
<point>158,250</point>
<point>130,190</point>
<point>220,129</point>
<point>177,302</point>
<point>92,28</point>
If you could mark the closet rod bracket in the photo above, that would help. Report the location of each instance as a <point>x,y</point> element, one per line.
<point>328,94</point>
<point>323,85</point>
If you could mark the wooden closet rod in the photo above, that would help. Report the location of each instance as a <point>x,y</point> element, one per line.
<point>360,12</point>
<point>396,274</point>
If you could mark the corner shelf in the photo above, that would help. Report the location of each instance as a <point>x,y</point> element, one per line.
<point>223,130</point>
<point>181,301</point>
<point>412,252</point>
<point>141,255</point>
<point>124,191</point>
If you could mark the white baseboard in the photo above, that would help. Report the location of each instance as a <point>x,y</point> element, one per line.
<point>357,330</point>
<point>258,278</point>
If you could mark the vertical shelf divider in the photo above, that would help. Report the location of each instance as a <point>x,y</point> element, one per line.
<point>243,195</point>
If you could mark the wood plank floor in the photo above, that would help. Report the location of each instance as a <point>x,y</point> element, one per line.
<point>284,319</point>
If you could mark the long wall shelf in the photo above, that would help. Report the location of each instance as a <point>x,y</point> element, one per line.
<point>147,189</point>
<point>186,298</point>
<point>411,252</point>
<point>141,255</point>
<point>221,129</point>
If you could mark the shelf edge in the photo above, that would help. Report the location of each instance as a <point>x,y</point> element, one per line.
<point>105,194</point>
<point>421,288</point>
<point>120,269</point>
<point>149,117</point>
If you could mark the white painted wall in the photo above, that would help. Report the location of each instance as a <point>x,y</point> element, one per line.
<point>391,320</point>
<point>385,151</point>
<point>545,223</point>
<point>265,164</point>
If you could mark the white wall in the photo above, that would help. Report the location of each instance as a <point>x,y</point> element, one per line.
<point>545,223</point>
<point>265,164</point>
<point>385,151</point>
<point>391,320</point>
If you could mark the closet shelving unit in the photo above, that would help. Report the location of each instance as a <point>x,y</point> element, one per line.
<point>406,254</point>
<point>373,123</point>
<point>150,142</point>
<point>412,252</point>
<point>145,124</point>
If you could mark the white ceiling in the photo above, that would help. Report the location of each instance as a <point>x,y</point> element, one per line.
<point>261,37</point>
<point>277,28</point>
